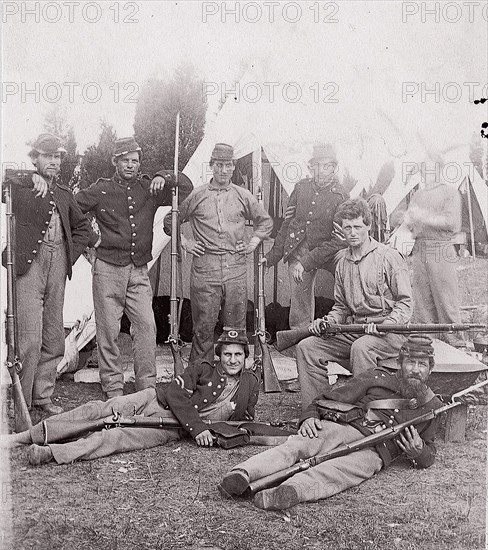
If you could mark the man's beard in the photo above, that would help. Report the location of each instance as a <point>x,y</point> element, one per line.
<point>412,388</point>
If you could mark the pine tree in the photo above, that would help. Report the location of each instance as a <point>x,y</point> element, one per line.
<point>155,118</point>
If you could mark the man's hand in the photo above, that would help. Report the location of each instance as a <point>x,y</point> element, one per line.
<point>318,325</point>
<point>410,442</point>
<point>264,262</point>
<point>195,248</point>
<point>371,328</point>
<point>297,272</point>
<point>310,428</point>
<point>242,248</point>
<point>157,185</point>
<point>205,439</point>
<point>41,187</point>
<point>290,212</point>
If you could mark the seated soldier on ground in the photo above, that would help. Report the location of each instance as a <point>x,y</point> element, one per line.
<point>222,391</point>
<point>384,399</point>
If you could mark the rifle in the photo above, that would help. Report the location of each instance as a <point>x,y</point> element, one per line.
<point>14,364</point>
<point>271,383</point>
<point>287,338</point>
<point>230,432</point>
<point>174,334</point>
<point>369,441</point>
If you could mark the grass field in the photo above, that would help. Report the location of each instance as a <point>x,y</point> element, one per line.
<point>166,498</point>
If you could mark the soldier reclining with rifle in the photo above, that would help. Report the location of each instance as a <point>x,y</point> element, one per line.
<point>376,402</point>
<point>222,391</point>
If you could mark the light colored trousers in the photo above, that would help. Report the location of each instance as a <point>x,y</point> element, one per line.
<point>326,479</point>
<point>215,279</point>
<point>302,295</point>
<point>435,285</point>
<point>119,289</point>
<point>355,352</point>
<point>113,440</point>
<point>40,299</point>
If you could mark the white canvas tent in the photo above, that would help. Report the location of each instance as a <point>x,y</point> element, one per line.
<point>365,135</point>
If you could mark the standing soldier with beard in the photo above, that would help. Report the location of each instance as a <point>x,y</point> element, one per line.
<point>306,239</point>
<point>382,399</point>
<point>51,233</point>
<point>125,206</point>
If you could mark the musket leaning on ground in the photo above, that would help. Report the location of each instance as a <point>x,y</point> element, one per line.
<point>174,317</point>
<point>14,363</point>
<point>271,383</point>
<point>287,338</point>
<point>242,431</point>
<point>368,441</point>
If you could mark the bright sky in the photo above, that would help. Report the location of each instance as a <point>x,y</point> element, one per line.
<point>90,59</point>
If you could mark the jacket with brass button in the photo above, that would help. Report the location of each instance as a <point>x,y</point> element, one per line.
<point>32,218</point>
<point>199,386</point>
<point>313,221</point>
<point>381,384</point>
<point>125,215</point>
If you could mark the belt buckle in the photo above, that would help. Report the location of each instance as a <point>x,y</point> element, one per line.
<point>413,403</point>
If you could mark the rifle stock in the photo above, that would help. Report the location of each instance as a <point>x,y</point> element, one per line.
<point>14,365</point>
<point>288,338</point>
<point>369,441</point>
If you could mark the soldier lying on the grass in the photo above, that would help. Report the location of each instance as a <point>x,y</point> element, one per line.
<point>382,399</point>
<point>222,391</point>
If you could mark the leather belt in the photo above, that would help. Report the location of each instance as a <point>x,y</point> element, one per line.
<point>400,404</point>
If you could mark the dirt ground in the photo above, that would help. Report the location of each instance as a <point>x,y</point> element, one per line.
<point>166,498</point>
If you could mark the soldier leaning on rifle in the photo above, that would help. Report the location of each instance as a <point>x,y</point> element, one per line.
<point>386,399</point>
<point>51,233</point>
<point>125,206</point>
<point>217,213</point>
<point>306,239</point>
<point>372,286</point>
<point>218,391</point>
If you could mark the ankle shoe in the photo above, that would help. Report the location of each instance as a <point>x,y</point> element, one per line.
<point>50,408</point>
<point>279,498</point>
<point>235,482</point>
<point>39,455</point>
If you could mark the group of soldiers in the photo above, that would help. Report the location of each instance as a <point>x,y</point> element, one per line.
<point>323,229</point>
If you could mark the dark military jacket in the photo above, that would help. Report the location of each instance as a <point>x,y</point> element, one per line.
<point>382,384</point>
<point>313,221</point>
<point>200,385</point>
<point>32,217</point>
<point>125,215</point>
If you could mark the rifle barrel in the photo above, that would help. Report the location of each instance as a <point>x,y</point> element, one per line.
<point>408,327</point>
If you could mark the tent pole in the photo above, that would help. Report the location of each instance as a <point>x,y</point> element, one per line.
<point>470,212</point>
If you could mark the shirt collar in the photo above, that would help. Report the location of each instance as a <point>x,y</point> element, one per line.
<point>373,245</point>
<point>213,187</point>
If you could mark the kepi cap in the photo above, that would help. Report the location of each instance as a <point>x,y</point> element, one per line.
<point>323,151</point>
<point>222,152</point>
<point>126,145</point>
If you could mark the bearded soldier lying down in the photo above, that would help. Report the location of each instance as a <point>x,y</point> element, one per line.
<point>381,400</point>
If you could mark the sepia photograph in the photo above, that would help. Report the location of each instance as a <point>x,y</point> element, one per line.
<point>244,282</point>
